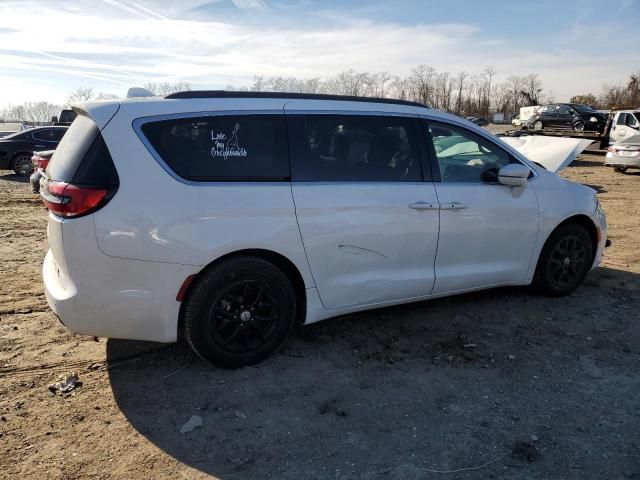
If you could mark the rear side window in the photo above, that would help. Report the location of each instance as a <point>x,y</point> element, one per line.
<point>223,147</point>
<point>49,135</point>
<point>82,157</point>
<point>46,135</point>
<point>355,148</point>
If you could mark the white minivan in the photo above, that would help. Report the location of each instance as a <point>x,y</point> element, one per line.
<point>228,216</point>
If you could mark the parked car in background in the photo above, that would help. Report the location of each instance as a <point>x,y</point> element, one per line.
<point>624,155</point>
<point>259,210</point>
<point>17,149</point>
<point>480,121</point>
<point>572,116</point>
<point>516,122</point>
<point>625,124</point>
<point>40,161</point>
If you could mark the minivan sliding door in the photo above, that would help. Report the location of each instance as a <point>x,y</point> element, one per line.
<point>369,222</point>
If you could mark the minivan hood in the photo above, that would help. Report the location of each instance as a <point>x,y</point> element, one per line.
<point>553,153</point>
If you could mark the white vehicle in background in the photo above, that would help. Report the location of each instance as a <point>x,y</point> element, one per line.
<point>516,122</point>
<point>624,150</point>
<point>229,216</point>
<point>625,124</point>
<point>526,113</point>
<point>8,128</point>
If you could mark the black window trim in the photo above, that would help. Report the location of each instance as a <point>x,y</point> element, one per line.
<point>425,172</point>
<point>138,123</point>
<point>433,158</point>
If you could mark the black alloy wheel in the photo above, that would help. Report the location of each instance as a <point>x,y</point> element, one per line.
<point>22,165</point>
<point>565,260</point>
<point>239,312</point>
<point>243,317</point>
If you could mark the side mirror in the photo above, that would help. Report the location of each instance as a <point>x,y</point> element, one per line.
<point>514,175</point>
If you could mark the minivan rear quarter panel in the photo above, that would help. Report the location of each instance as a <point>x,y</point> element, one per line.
<point>156,216</point>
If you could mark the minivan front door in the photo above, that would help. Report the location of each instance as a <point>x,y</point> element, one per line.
<point>487,230</point>
<point>368,222</point>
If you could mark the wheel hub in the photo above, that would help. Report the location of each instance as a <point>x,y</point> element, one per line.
<point>246,316</point>
<point>567,262</point>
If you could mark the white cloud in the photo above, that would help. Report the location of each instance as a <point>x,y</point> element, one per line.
<point>122,44</point>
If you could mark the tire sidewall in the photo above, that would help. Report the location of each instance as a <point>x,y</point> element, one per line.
<point>19,159</point>
<point>543,275</point>
<point>202,295</point>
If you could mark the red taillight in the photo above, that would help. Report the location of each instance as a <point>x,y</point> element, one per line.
<point>39,162</point>
<point>67,200</point>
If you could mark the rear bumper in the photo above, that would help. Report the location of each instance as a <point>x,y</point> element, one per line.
<point>612,160</point>
<point>94,294</point>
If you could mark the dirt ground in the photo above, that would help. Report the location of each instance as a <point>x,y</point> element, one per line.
<point>498,384</point>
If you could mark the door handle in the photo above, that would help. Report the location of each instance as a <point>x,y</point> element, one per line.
<point>423,206</point>
<point>453,206</point>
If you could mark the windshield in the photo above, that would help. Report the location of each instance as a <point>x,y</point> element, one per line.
<point>637,115</point>
<point>584,108</point>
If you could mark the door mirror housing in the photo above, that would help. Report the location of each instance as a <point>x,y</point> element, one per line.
<point>514,175</point>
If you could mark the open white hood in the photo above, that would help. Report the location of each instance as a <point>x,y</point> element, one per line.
<point>554,153</point>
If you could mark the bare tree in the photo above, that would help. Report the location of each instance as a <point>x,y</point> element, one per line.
<point>81,94</point>
<point>460,85</point>
<point>489,73</point>
<point>586,99</point>
<point>12,113</point>
<point>38,112</point>
<point>165,88</point>
<point>532,86</point>
<point>633,89</point>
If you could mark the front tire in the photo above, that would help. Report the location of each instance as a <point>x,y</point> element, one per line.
<point>565,261</point>
<point>22,165</point>
<point>578,126</point>
<point>620,169</point>
<point>537,125</point>
<point>239,312</point>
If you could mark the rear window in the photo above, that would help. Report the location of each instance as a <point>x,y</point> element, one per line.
<point>222,147</point>
<point>82,157</point>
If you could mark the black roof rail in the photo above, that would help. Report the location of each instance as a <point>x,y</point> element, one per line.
<point>292,96</point>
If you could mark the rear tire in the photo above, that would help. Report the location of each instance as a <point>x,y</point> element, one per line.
<point>22,165</point>
<point>239,312</point>
<point>537,125</point>
<point>565,261</point>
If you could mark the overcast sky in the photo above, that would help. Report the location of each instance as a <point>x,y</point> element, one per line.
<point>49,47</point>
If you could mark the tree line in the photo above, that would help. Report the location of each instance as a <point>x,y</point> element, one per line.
<point>38,113</point>
<point>464,94</point>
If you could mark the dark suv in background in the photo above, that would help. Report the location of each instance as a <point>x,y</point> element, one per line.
<point>17,149</point>
<point>572,116</point>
